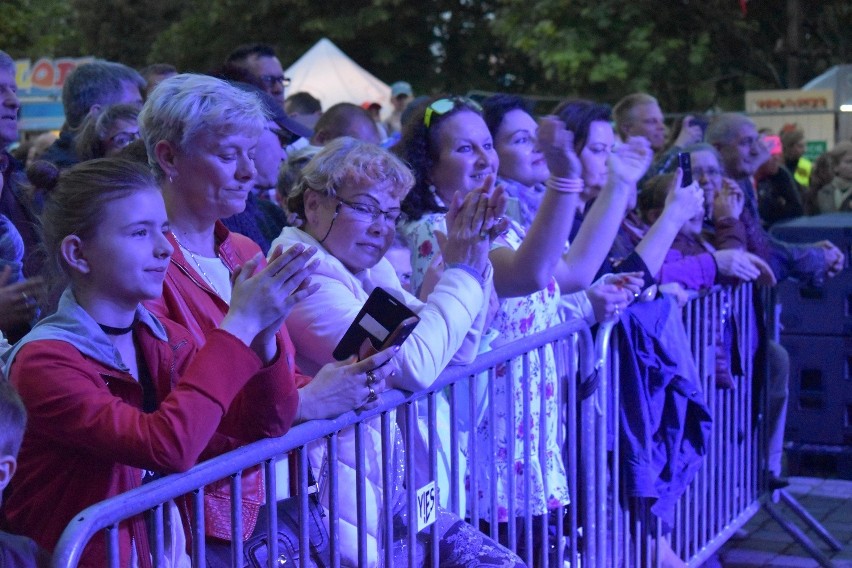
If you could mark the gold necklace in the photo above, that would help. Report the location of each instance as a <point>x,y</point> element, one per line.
<point>198,264</point>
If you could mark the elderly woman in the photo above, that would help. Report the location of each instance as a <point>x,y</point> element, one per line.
<point>348,198</point>
<point>200,134</point>
<point>451,150</point>
<point>104,135</point>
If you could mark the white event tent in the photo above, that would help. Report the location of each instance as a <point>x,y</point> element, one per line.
<point>330,75</point>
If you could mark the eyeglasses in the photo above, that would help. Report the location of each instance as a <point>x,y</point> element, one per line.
<point>443,106</point>
<point>123,139</point>
<point>698,173</point>
<point>270,80</point>
<point>369,213</point>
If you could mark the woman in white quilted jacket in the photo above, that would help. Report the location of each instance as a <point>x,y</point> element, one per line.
<point>349,199</point>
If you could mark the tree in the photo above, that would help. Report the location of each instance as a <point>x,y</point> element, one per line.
<point>690,54</point>
<point>37,28</point>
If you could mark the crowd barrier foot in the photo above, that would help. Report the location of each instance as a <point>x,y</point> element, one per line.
<point>798,535</point>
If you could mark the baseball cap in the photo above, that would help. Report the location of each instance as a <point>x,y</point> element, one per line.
<point>276,112</point>
<point>401,88</point>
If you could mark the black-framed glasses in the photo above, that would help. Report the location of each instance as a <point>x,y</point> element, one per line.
<point>443,106</point>
<point>369,213</point>
<point>270,80</point>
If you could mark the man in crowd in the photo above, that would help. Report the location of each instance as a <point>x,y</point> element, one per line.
<point>304,108</point>
<point>736,138</point>
<point>260,67</point>
<point>155,74</point>
<point>345,119</point>
<point>401,95</point>
<point>18,293</point>
<point>87,91</point>
<point>639,114</point>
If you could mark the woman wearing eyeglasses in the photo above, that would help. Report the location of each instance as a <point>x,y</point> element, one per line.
<point>105,134</point>
<point>450,149</point>
<point>348,199</point>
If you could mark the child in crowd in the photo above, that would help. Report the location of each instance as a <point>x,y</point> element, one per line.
<point>117,396</point>
<point>18,551</point>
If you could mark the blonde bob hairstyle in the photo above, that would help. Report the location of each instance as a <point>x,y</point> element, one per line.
<point>349,161</point>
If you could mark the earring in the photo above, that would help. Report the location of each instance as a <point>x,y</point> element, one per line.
<point>432,189</point>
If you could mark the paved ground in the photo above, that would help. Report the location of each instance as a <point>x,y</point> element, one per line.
<point>768,545</point>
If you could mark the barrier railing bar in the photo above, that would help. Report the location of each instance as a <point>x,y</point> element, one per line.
<point>361,494</point>
<point>333,493</point>
<point>433,469</point>
<point>387,487</point>
<point>270,500</point>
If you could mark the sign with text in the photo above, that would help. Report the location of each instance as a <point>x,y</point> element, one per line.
<point>812,111</point>
<point>46,76</point>
<point>790,100</point>
<point>427,502</point>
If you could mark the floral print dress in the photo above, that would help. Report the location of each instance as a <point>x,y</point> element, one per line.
<point>516,317</point>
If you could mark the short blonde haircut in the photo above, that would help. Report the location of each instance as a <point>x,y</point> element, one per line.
<point>185,105</point>
<point>349,161</point>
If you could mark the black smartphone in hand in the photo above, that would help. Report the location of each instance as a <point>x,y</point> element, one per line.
<point>685,163</point>
<point>384,321</point>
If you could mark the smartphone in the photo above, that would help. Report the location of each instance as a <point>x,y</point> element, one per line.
<point>381,322</point>
<point>685,164</point>
<point>395,339</point>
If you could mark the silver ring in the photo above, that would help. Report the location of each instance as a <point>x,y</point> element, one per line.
<point>371,378</point>
<point>373,396</point>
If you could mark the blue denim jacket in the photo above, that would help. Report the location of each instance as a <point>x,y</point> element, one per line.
<point>665,423</point>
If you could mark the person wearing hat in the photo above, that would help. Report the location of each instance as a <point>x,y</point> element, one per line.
<point>374,109</point>
<point>262,219</point>
<point>401,95</point>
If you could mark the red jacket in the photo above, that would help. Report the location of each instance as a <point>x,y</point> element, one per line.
<point>87,438</point>
<point>265,400</point>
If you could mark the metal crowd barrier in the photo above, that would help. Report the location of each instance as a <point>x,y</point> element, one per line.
<point>725,492</point>
<point>594,530</point>
<point>572,346</point>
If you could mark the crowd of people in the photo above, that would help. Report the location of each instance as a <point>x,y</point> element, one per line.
<point>177,267</point>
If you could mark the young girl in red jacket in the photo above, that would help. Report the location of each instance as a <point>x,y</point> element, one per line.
<point>115,394</point>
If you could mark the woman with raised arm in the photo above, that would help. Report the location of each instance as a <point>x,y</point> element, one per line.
<point>449,147</point>
<point>523,173</point>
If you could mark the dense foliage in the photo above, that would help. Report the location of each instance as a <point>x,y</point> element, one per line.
<point>692,54</point>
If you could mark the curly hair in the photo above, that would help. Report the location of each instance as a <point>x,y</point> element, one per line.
<point>418,147</point>
<point>348,160</point>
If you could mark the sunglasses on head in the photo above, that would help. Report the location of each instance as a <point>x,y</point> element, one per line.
<point>443,106</point>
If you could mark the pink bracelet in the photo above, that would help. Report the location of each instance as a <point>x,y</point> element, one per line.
<point>565,185</point>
